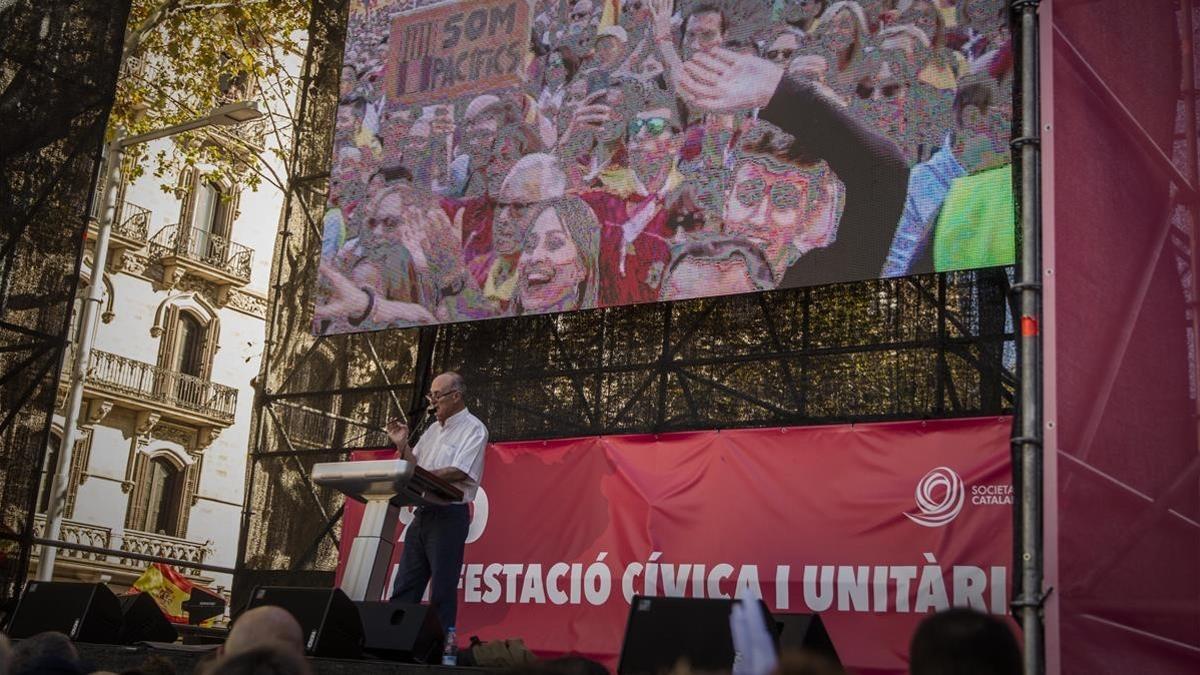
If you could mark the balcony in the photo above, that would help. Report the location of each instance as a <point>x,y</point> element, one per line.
<point>89,566</point>
<point>129,232</point>
<point>201,253</point>
<point>163,546</point>
<point>156,393</point>
<point>76,533</point>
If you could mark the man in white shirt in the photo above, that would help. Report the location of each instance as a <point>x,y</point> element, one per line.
<point>451,449</point>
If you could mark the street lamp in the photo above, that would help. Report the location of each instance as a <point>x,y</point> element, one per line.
<point>226,115</point>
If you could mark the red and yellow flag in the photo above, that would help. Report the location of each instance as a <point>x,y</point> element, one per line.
<point>168,587</point>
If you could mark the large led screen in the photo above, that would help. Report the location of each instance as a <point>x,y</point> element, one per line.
<point>496,158</point>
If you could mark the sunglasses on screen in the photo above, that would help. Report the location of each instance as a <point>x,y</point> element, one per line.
<point>654,126</point>
<point>780,54</point>
<point>885,91</point>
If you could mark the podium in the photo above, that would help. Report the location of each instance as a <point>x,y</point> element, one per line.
<point>384,486</point>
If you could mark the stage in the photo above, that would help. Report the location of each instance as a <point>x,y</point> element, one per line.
<point>186,659</point>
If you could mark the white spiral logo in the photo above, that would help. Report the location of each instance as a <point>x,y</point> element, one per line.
<point>937,512</point>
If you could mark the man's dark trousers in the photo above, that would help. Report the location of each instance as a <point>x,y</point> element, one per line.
<point>433,546</point>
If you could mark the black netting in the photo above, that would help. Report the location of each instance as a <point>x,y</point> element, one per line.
<point>918,347</point>
<point>58,68</point>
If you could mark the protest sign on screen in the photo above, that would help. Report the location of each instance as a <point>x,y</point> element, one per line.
<point>512,157</point>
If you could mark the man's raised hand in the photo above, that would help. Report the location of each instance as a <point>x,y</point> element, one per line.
<point>721,80</point>
<point>398,432</point>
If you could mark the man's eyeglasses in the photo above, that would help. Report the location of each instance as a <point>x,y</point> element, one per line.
<point>435,396</point>
<point>654,126</point>
<point>632,6</point>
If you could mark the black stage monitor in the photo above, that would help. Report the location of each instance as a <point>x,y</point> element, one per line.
<point>84,612</point>
<point>660,631</point>
<point>400,631</point>
<point>804,631</point>
<point>144,621</point>
<point>328,619</point>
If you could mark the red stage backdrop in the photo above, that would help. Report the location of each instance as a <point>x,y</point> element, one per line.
<point>874,526</point>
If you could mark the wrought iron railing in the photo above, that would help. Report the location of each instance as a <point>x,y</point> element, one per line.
<point>126,376</point>
<point>133,222</point>
<point>202,246</point>
<point>76,533</point>
<point>163,546</point>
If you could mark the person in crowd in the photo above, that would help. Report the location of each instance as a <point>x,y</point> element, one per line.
<point>782,200</point>
<point>483,118</point>
<point>263,658</point>
<point>593,146</point>
<point>48,653</point>
<point>962,641</point>
<point>870,167</point>
<point>533,180</point>
<point>942,65</point>
<point>561,67</point>
<point>784,46</point>
<point>715,265</point>
<point>410,264</point>
<point>975,147</point>
<point>709,139</point>
<point>558,268</point>
<point>634,240</point>
<point>843,30</point>
<point>581,26</point>
<point>635,19</point>
<point>260,624</point>
<point>802,14</point>
<point>349,118</point>
<point>611,48</point>
<point>452,449</point>
<point>882,98</point>
<point>705,27</point>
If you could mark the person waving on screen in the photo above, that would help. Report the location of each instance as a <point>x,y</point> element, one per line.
<point>870,166</point>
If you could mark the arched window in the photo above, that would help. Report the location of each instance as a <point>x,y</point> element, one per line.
<point>79,462</point>
<point>164,490</point>
<point>189,346</point>
<point>208,208</point>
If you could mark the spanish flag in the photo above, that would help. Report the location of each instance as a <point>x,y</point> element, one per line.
<point>168,587</point>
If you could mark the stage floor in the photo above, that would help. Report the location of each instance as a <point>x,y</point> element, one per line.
<point>118,657</point>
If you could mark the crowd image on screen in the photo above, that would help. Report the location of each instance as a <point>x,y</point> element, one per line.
<point>619,165</point>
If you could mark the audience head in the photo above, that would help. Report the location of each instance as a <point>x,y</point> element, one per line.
<point>51,653</point>
<point>963,641</point>
<point>263,624</point>
<point>267,657</point>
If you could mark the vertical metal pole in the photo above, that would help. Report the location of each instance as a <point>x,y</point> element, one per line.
<point>1188,52</point>
<point>83,350</point>
<point>1028,442</point>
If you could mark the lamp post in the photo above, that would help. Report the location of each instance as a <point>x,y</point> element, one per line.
<point>226,115</point>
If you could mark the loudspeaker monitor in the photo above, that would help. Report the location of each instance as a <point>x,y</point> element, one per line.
<point>84,612</point>
<point>804,631</point>
<point>328,618</point>
<point>144,621</point>
<point>401,631</point>
<point>660,631</point>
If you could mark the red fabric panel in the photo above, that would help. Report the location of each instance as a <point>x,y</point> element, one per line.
<point>831,498</point>
<point>1128,544</point>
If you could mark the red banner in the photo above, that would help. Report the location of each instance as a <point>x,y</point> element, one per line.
<point>874,526</point>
